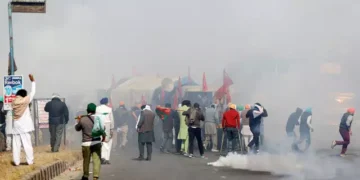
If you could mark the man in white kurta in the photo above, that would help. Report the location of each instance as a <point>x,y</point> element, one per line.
<point>109,127</point>
<point>23,125</point>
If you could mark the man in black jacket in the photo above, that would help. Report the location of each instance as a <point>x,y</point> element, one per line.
<point>58,118</point>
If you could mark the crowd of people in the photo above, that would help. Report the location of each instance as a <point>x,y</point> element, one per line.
<point>104,128</point>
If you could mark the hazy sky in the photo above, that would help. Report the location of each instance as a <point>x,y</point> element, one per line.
<point>78,44</point>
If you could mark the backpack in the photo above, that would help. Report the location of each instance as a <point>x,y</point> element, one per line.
<point>193,113</point>
<point>98,129</point>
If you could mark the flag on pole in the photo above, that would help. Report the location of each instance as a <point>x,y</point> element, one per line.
<point>143,100</point>
<point>179,87</point>
<point>175,100</point>
<point>9,66</point>
<point>223,91</point>
<point>204,84</point>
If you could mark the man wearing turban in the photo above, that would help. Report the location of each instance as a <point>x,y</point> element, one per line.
<point>109,127</point>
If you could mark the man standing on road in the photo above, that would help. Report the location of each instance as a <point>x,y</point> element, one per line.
<point>109,127</point>
<point>231,125</point>
<point>91,146</point>
<point>245,130</point>
<point>167,115</point>
<point>345,130</point>
<point>145,128</point>
<point>58,118</point>
<point>121,124</point>
<point>211,122</point>
<point>183,134</point>
<point>193,118</point>
<point>23,124</point>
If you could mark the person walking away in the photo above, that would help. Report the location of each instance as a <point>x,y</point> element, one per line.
<point>183,135</point>
<point>109,128</point>
<point>231,125</point>
<point>245,127</point>
<point>23,124</point>
<point>292,121</point>
<point>255,115</point>
<point>146,133</point>
<point>167,115</point>
<point>58,118</point>
<point>91,146</point>
<point>305,128</point>
<point>177,129</point>
<point>211,122</point>
<point>121,124</point>
<point>2,125</point>
<point>345,130</point>
<point>193,118</point>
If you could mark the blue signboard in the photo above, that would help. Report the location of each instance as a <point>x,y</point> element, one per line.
<point>11,85</point>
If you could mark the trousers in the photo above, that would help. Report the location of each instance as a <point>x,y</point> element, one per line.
<point>106,150</point>
<point>167,140</point>
<point>56,132</point>
<point>345,134</point>
<point>195,133</point>
<point>122,135</point>
<point>232,135</point>
<point>148,149</point>
<point>93,152</point>
<point>256,137</point>
<point>23,139</point>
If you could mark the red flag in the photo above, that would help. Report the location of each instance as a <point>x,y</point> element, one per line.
<point>227,80</point>
<point>176,100</point>
<point>224,89</point>
<point>143,100</point>
<point>204,84</point>
<point>179,88</point>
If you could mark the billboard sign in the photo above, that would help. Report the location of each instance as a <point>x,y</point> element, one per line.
<point>12,84</point>
<point>42,116</point>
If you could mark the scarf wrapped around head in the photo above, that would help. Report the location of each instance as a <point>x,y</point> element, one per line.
<point>19,106</point>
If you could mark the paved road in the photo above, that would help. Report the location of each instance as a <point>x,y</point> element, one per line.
<point>177,167</point>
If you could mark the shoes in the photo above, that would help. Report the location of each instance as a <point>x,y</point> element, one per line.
<point>342,155</point>
<point>85,178</point>
<point>203,157</point>
<point>139,159</point>
<point>214,150</point>
<point>186,154</point>
<point>190,156</point>
<point>148,159</point>
<point>333,144</point>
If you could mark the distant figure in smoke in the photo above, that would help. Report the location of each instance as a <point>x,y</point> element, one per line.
<point>58,118</point>
<point>255,116</point>
<point>109,128</point>
<point>193,118</point>
<point>167,115</point>
<point>183,132</point>
<point>211,122</point>
<point>122,117</point>
<point>245,123</point>
<point>231,125</point>
<point>345,130</point>
<point>305,128</point>
<point>292,121</point>
<point>145,128</point>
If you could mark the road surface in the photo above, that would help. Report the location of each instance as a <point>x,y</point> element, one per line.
<point>178,167</point>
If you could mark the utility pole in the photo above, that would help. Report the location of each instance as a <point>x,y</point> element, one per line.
<point>24,6</point>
